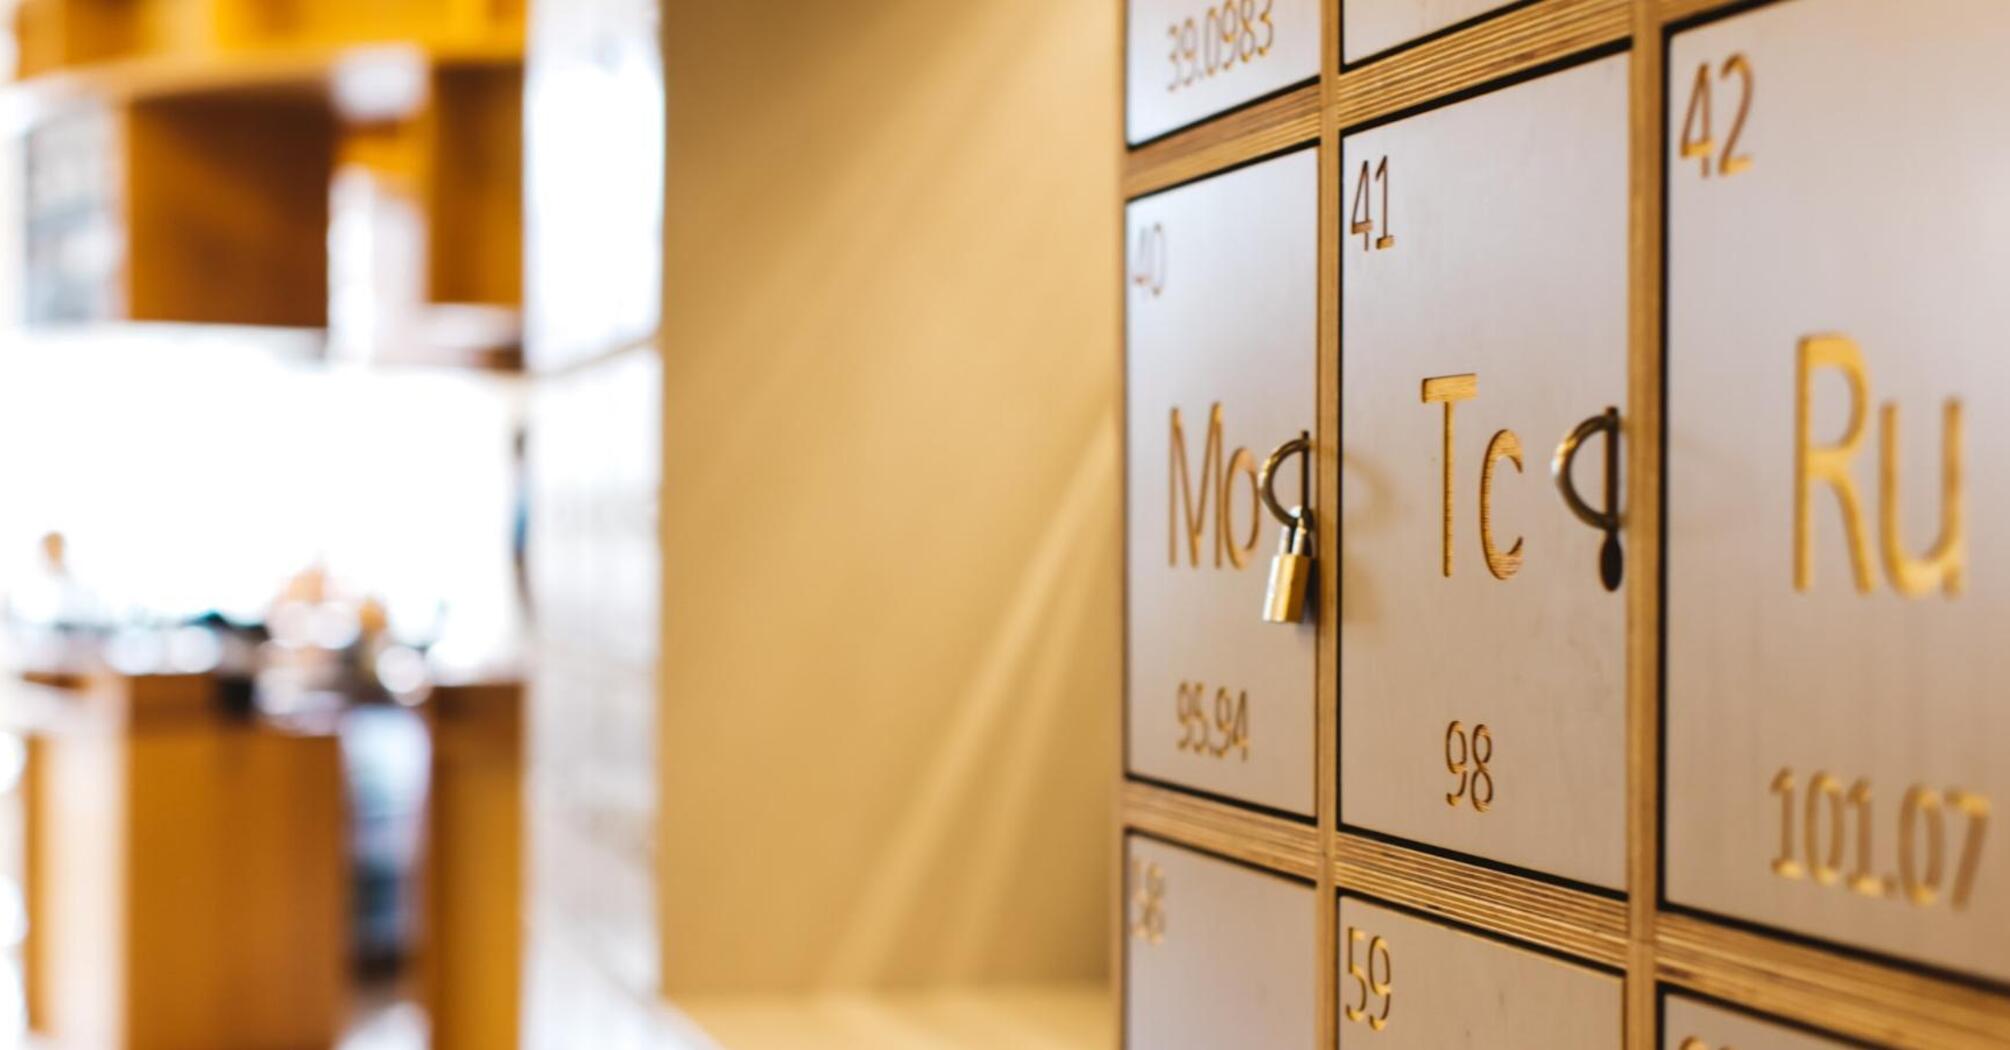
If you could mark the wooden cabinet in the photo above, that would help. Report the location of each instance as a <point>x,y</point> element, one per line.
<point>1221,319</point>
<point>1458,989</point>
<point>1189,59</point>
<point>1216,953</point>
<point>1482,324</point>
<point>1838,545</point>
<point>1654,387</point>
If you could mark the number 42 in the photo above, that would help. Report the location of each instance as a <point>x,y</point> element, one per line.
<point>1696,138</point>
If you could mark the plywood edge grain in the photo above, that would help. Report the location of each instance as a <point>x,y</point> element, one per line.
<point>1242,135</point>
<point>1643,528</point>
<point>1272,842</point>
<point>1574,922</point>
<point>1521,40</point>
<point>1326,582</point>
<point>1672,11</point>
<point>1887,1005</point>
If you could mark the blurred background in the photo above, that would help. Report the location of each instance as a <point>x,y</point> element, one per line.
<point>557,523</point>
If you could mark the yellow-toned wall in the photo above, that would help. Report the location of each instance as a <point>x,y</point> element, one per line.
<point>890,493</point>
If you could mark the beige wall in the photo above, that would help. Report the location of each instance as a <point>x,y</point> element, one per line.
<point>890,502</point>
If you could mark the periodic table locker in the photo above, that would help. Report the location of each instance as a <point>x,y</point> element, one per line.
<point>1216,954</point>
<point>1222,315</point>
<point>1483,335</point>
<point>1655,344</point>
<point>1838,406</point>
<point>1190,59</point>
<point>1411,983</point>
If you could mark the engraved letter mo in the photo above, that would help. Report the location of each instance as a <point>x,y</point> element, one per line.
<point>1217,480</point>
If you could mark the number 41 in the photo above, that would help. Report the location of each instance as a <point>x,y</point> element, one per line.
<point>1363,221</point>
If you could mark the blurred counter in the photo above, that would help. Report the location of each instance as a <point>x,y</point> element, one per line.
<point>471,943</point>
<point>189,863</point>
<point>184,868</point>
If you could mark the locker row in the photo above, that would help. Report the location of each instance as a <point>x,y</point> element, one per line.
<point>1829,386</point>
<point>1220,954</point>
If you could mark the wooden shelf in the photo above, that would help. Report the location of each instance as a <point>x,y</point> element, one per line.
<point>307,70</point>
<point>226,209</point>
<point>183,160</point>
<point>140,45</point>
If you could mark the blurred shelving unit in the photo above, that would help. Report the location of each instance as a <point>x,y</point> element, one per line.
<point>593,236</point>
<point>353,167</point>
<point>339,180</point>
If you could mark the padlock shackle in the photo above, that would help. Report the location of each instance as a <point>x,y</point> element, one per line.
<point>1611,559</point>
<point>1266,479</point>
<point>1607,423</point>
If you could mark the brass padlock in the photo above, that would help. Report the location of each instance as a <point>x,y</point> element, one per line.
<point>1291,569</point>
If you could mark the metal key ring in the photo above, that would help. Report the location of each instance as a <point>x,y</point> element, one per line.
<point>1611,559</point>
<point>1566,457</point>
<point>1266,478</point>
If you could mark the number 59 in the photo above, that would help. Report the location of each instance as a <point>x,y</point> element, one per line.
<point>1366,980</point>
